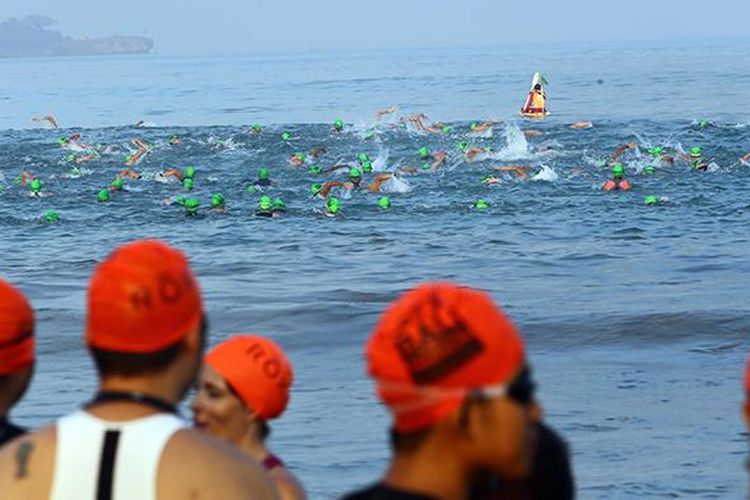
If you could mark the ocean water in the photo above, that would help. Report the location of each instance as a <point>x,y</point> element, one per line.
<point>636,317</point>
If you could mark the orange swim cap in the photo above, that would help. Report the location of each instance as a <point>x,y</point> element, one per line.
<point>257,370</point>
<point>434,343</point>
<point>16,330</point>
<point>143,298</point>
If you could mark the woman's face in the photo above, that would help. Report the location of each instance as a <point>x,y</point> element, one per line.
<point>217,410</point>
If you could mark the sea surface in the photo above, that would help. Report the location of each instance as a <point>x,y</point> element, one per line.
<point>636,317</point>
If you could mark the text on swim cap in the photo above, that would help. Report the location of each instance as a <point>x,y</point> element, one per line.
<point>168,289</point>
<point>434,341</point>
<point>269,364</point>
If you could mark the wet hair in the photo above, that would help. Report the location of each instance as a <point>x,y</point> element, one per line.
<point>126,364</point>
<point>537,87</point>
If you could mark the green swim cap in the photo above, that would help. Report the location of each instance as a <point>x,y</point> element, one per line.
<point>74,171</point>
<point>333,205</point>
<point>265,203</point>
<point>35,185</point>
<point>251,189</point>
<point>487,178</point>
<point>463,146</point>
<point>285,136</point>
<point>314,169</point>
<point>51,216</point>
<point>363,157</point>
<point>651,200</point>
<point>191,206</point>
<point>256,127</point>
<point>656,151</point>
<point>338,124</point>
<point>300,156</point>
<point>70,158</point>
<point>424,152</point>
<point>703,123</point>
<point>696,152</point>
<point>649,169</point>
<point>102,195</point>
<point>481,204</point>
<point>117,184</point>
<point>446,129</point>
<point>426,166</point>
<point>618,171</point>
<point>279,205</point>
<point>187,184</point>
<point>473,126</point>
<point>370,135</point>
<point>384,203</point>
<point>189,172</point>
<point>217,200</point>
<point>316,188</point>
<point>354,173</point>
<point>180,201</point>
<point>263,174</point>
<point>62,141</point>
<point>367,166</point>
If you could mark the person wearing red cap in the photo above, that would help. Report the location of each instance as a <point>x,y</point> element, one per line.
<point>244,383</point>
<point>451,368</point>
<point>145,330</point>
<point>16,354</point>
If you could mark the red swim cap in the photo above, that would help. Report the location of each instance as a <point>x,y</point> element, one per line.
<point>257,370</point>
<point>16,330</point>
<point>435,342</point>
<point>142,299</point>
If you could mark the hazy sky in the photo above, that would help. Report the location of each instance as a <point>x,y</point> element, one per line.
<point>248,26</point>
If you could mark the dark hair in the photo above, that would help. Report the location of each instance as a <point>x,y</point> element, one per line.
<point>126,364</point>
<point>408,442</point>
<point>264,430</point>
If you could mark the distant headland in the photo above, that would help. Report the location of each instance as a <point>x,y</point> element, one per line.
<point>31,37</point>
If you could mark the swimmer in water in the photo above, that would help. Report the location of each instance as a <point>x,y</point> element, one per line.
<point>175,140</point>
<point>264,178</point>
<point>620,150</point>
<point>521,171</point>
<point>338,125</point>
<point>25,177</point>
<point>491,180</point>
<point>139,124</point>
<point>218,203</point>
<point>618,180</point>
<point>189,173</point>
<point>385,111</point>
<point>130,174</point>
<point>255,128</point>
<point>580,125</point>
<point>265,207</point>
<point>695,156</point>
<point>315,152</point>
<point>476,127</point>
<point>50,119</point>
<point>297,159</point>
<point>745,158</point>
<point>657,153</point>
<point>474,151</point>
<point>333,206</point>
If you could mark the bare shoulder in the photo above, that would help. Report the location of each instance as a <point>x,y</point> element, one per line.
<point>27,464</point>
<point>288,486</point>
<point>196,465</point>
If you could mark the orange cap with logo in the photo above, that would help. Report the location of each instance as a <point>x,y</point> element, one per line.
<point>16,330</point>
<point>257,369</point>
<point>142,299</point>
<point>432,345</point>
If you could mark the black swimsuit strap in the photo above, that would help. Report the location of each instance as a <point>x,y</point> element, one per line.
<point>135,397</point>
